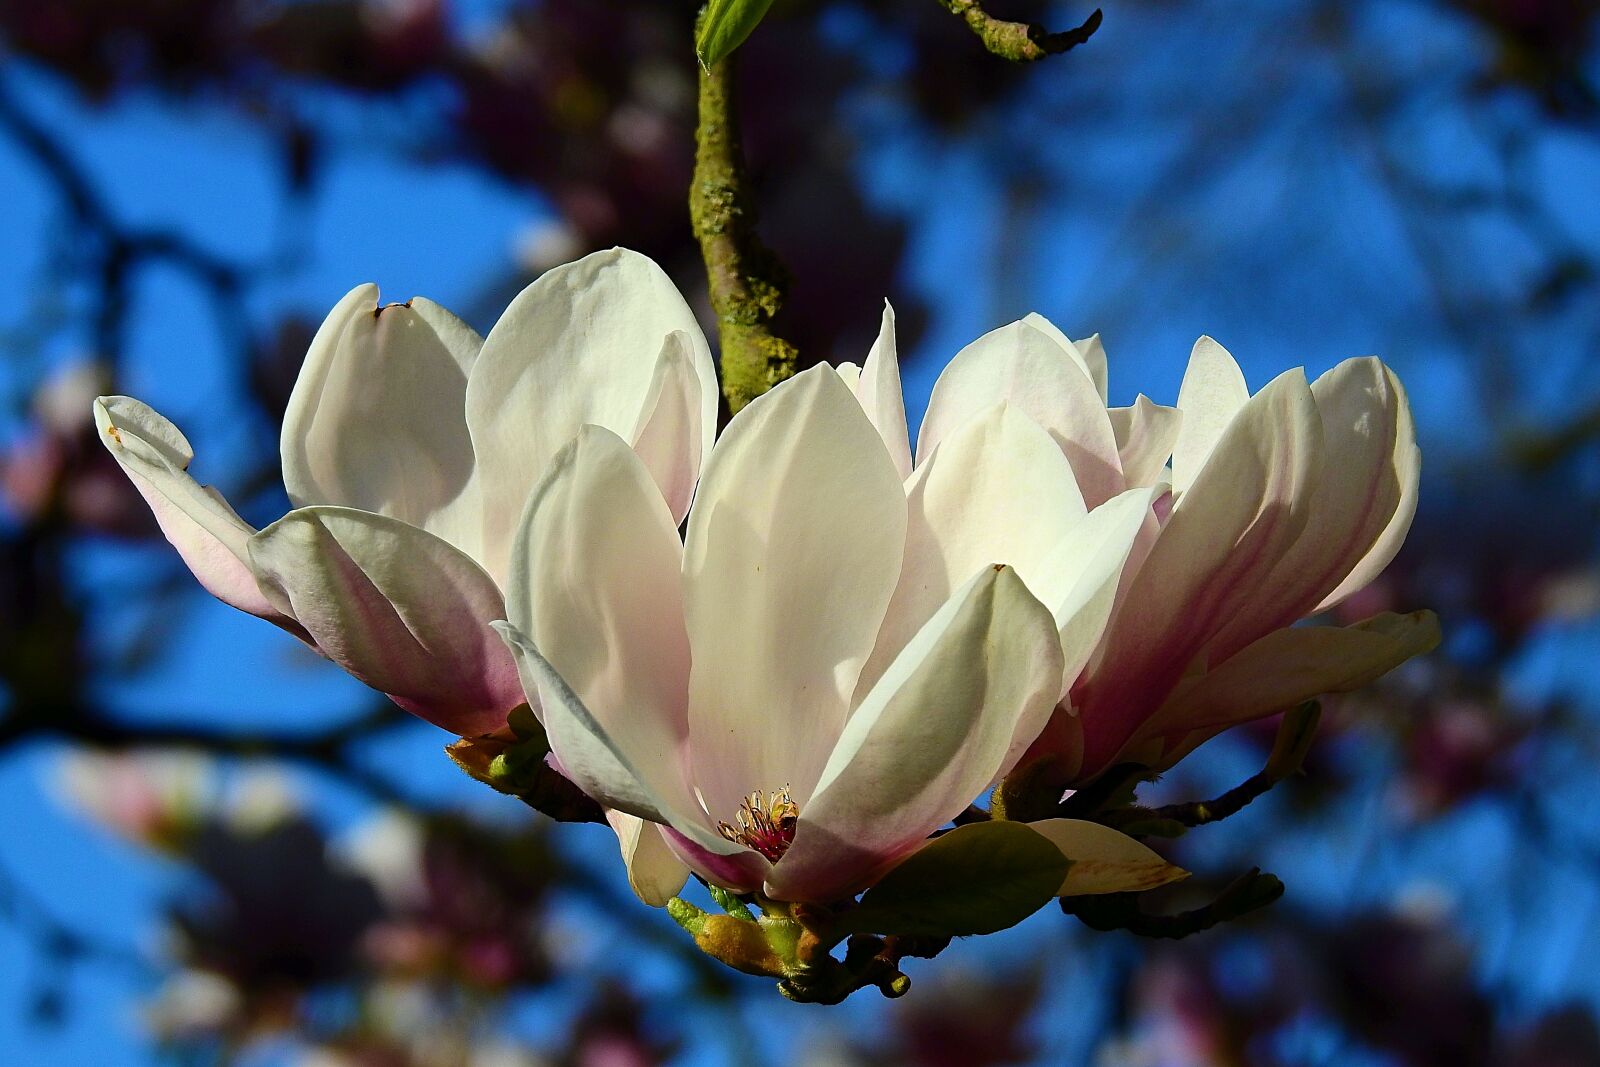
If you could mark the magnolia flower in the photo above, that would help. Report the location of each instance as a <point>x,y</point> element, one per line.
<point>717,685</point>
<point>409,449</point>
<point>1284,504</point>
<point>1276,507</point>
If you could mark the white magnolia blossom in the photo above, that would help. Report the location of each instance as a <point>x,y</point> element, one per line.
<point>715,685</point>
<point>409,448</point>
<point>1275,507</point>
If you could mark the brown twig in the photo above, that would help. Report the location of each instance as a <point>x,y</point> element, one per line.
<point>1020,42</point>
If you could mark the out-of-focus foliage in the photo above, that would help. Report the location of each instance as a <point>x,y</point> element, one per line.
<point>1412,177</point>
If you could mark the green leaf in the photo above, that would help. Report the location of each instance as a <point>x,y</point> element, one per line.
<point>976,879</point>
<point>725,26</point>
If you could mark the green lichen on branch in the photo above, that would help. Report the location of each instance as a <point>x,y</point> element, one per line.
<point>1020,42</point>
<point>745,278</point>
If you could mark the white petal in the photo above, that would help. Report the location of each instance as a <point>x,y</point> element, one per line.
<point>595,586</point>
<point>1244,510</point>
<point>1288,667</point>
<point>377,419</point>
<point>1407,464</point>
<point>881,397</point>
<point>613,768</point>
<point>668,436</point>
<point>998,490</point>
<point>1356,498</point>
<point>793,548</point>
<point>1146,434</point>
<point>1045,381</point>
<point>397,607</point>
<point>928,739</point>
<point>210,537</point>
<point>1212,393</point>
<point>655,874</point>
<point>1089,353</point>
<point>579,345</point>
<point>1105,860</point>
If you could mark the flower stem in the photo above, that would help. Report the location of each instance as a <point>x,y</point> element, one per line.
<point>746,280</point>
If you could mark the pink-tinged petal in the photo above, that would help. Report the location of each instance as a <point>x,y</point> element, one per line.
<point>1105,860</point>
<point>998,490</point>
<point>1089,353</point>
<point>655,874</point>
<point>212,540</point>
<point>377,419</point>
<point>1212,393</point>
<point>793,548</point>
<point>616,766</point>
<point>1243,511</point>
<point>668,437</point>
<point>596,587</point>
<point>578,346</point>
<point>401,609</point>
<point>1146,434</point>
<point>1288,667</point>
<point>1407,463</point>
<point>929,738</point>
<point>1045,381</point>
<point>878,389</point>
<point>743,871</point>
<point>1356,498</point>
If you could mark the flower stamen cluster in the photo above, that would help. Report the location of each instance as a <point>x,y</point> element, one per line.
<point>766,823</point>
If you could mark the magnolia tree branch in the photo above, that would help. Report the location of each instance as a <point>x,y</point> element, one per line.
<point>1020,42</point>
<point>745,278</point>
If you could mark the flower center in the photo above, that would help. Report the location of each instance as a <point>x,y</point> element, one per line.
<point>765,823</point>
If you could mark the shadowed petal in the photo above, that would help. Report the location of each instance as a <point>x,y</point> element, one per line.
<point>397,607</point>
<point>1356,498</point>
<point>668,436</point>
<point>1291,666</point>
<point>1407,464</point>
<point>595,586</point>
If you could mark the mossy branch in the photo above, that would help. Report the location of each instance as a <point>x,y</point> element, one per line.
<point>1020,42</point>
<point>746,280</point>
